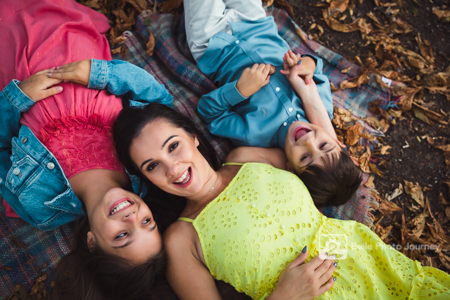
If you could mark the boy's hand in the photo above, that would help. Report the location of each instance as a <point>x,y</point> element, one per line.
<point>305,88</point>
<point>38,86</point>
<point>290,59</point>
<point>253,79</point>
<point>77,72</point>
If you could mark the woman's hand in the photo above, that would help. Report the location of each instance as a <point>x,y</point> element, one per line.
<point>38,86</point>
<point>307,65</point>
<point>77,72</point>
<point>301,281</point>
<point>253,79</point>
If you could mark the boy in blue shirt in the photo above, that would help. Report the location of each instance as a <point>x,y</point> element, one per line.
<point>236,46</point>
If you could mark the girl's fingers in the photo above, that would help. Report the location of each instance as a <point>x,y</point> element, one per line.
<point>325,266</point>
<point>327,275</point>
<point>51,91</point>
<point>300,259</point>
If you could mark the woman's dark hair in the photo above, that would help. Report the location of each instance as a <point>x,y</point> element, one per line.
<point>96,275</point>
<point>129,124</point>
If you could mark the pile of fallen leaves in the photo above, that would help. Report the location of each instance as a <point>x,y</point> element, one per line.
<point>407,76</point>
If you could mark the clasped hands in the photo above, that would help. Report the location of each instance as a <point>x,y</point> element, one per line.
<point>254,78</point>
<point>41,85</point>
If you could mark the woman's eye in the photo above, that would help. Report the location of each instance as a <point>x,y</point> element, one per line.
<point>122,235</point>
<point>147,221</point>
<point>173,146</point>
<point>150,167</point>
<point>323,145</point>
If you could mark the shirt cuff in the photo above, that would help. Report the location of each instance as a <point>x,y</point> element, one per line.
<point>98,74</point>
<point>231,93</point>
<point>17,97</point>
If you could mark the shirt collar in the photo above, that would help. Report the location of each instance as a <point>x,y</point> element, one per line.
<point>281,135</point>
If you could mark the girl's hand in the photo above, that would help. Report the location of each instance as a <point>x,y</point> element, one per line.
<point>305,281</point>
<point>253,79</point>
<point>77,72</point>
<point>38,86</point>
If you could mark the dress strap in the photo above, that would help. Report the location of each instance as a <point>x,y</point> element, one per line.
<point>232,164</point>
<point>185,219</point>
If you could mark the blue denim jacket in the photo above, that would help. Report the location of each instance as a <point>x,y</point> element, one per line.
<point>31,179</point>
<point>263,119</point>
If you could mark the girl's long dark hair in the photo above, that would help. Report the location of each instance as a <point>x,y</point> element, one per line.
<point>97,275</point>
<point>128,126</point>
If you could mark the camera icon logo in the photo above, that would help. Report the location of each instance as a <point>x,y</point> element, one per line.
<point>333,244</point>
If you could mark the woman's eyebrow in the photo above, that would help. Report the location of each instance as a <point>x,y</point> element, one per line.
<point>150,159</point>
<point>168,140</point>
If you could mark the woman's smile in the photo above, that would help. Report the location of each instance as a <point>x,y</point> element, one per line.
<point>185,179</point>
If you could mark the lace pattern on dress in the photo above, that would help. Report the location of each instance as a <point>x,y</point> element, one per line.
<point>80,144</point>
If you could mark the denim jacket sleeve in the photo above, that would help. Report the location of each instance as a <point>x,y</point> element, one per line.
<point>13,102</point>
<point>216,110</point>
<point>124,79</point>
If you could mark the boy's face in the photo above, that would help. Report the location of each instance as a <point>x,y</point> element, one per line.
<point>306,144</point>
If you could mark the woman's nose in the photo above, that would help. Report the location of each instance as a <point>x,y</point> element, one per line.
<point>131,216</point>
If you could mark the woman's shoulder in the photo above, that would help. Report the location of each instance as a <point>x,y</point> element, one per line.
<point>179,231</point>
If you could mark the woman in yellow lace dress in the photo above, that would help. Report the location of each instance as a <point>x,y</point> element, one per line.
<point>248,221</point>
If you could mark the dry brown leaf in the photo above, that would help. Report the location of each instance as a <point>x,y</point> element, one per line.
<point>425,49</point>
<point>442,14</point>
<point>338,6</point>
<point>369,183</point>
<point>407,97</point>
<point>430,140</point>
<point>421,116</point>
<point>364,161</point>
<point>269,3</point>
<point>337,26</point>
<point>151,43</point>
<point>345,71</point>
<point>416,63</point>
<point>302,36</point>
<point>170,6</point>
<point>139,5</point>
<point>387,207</point>
<point>419,223</point>
<point>118,40</point>
<point>415,191</point>
<point>384,149</point>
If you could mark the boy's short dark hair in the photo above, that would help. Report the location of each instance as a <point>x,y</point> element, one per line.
<point>334,183</point>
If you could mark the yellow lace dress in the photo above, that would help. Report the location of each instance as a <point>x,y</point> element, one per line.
<point>264,218</point>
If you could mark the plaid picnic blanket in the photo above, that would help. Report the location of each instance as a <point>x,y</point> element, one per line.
<point>28,255</point>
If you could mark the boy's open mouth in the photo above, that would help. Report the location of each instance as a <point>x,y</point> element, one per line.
<point>301,131</point>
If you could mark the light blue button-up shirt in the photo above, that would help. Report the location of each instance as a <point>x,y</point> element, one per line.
<point>263,119</point>
<point>31,179</point>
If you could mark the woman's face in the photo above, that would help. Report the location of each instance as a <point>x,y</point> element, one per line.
<point>122,224</point>
<point>169,158</point>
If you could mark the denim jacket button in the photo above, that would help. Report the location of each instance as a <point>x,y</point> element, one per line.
<point>285,124</point>
<point>16,171</point>
<point>50,166</point>
<point>1,180</point>
<point>24,140</point>
<point>290,109</point>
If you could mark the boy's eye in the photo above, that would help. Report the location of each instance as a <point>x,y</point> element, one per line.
<point>323,145</point>
<point>173,146</point>
<point>146,221</point>
<point>122,235</point>
<point>150,167</point>
<point>304,157</point>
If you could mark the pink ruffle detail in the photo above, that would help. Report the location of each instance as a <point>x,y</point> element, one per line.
<point>80,144</point>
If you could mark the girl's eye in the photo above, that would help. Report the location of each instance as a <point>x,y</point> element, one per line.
<point>173,146</point>
<point>323,145</point>
<point>147,221</point>
<point>304,157</point>
<point>150,167</point>
<point>120,236</point>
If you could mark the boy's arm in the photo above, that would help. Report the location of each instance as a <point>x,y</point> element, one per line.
<point>315,110</point>
<point>117,77</point>
<point>216,110</point>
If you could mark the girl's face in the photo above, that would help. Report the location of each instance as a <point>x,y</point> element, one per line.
<point>169,158</point>
<point>122,224</point>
